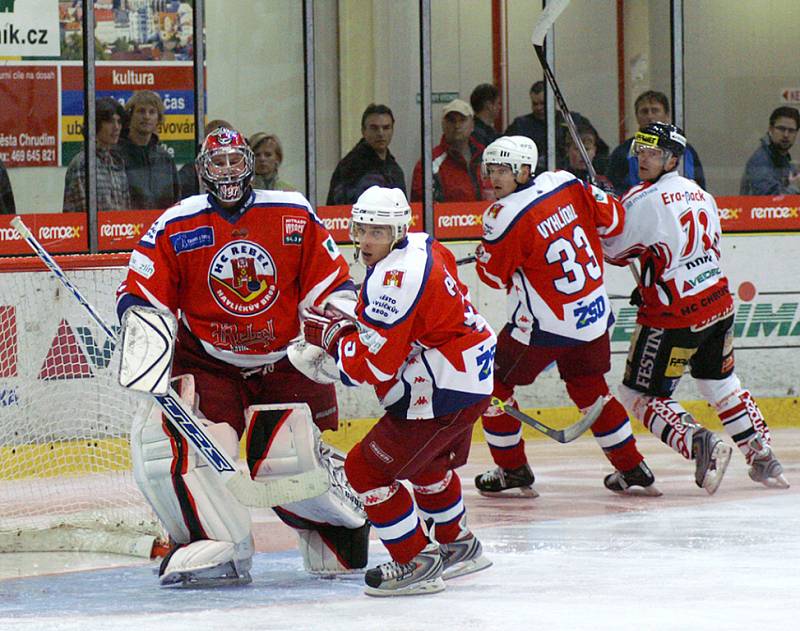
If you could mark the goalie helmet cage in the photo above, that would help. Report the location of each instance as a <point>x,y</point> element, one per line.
<point>66,481</point>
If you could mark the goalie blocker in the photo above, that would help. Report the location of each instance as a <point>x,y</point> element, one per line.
<point>212,529</point>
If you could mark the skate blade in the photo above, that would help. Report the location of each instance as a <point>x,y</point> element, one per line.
<point>466,567</point>
<point>518,492</point>
<point>431,586</point>
<point>778,482</point>
<point>721,456</point>
<point>641,491</point>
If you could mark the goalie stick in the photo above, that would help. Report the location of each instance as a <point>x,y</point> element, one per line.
<point>543,24</point>
<point>566,435</point>
<point>249,492</point>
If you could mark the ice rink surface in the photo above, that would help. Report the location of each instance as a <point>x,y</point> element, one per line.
<point>577,557</point>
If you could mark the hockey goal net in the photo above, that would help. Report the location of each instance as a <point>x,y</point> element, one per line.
<point>65,470</point>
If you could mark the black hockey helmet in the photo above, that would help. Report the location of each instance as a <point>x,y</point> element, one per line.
<point>660,135</point>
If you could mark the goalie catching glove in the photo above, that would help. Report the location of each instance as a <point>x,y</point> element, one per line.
<point>325,327</point>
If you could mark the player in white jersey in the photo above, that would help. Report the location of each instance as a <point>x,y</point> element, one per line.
<point>419,341</point>
<point>541,244</point>
<point>685,317</point>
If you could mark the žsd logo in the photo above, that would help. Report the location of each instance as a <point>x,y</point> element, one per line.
<point>242,279</point>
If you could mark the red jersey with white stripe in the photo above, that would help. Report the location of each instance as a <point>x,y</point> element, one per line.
<point>420,342</point>
<point>239,279</point>
<point>542,245</point>
<point>673,227</point>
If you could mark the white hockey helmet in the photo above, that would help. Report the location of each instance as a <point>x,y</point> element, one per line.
<point>380,206</point>
<point>514,151</point>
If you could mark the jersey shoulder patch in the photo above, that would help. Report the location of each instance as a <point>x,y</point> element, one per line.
<point>397,282</point>
<point>186,208</point>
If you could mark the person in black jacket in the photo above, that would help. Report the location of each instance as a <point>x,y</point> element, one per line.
<point>7,206</point>
<point>369,163</point>
<point>152,174</point>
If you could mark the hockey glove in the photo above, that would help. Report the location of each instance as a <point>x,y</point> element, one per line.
<point>324,328</point>
<point>636,298</point>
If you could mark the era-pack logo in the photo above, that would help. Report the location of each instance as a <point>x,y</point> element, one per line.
<point>243,279</point>
<point>293,229</point>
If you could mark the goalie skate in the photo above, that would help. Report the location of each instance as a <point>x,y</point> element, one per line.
<point>205,563</point>
<point>711,458</point>
<point>507,482</point>
<point>421,575</point>
<point>463,556</point>
<point>765,468</point>
<point>638,481</point>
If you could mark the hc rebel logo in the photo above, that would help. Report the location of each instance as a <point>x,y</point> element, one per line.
<point>243,279</point>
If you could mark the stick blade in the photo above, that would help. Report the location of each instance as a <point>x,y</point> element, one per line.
<point>270,493</point>
<point>577,429</point>
<point>546,19</point>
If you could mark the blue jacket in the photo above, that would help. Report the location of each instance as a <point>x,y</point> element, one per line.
<point>767,172</point>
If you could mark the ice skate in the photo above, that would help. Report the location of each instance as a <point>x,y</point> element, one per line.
<point>507,482</point>
<point>637,481</point>
<point>711,457</point>
<point>765,467</point>
<point>205,563</point>
<point>463,556</point>
<point>421,575</point>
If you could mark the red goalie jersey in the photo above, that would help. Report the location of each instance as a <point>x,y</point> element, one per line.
<point>239,279</point>
<point>542,245</point>
<point>420,341</point>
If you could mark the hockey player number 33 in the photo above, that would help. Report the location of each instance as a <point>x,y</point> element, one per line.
<point>565,252</point>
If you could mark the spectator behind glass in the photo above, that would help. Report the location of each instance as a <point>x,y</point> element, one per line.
<point>187,176</point>
<point>112,182</point>
<point>151,170</point>
<point>369,163</point>
<point>623,169</point>
<point>534,124</point>
<point>770,170</point>
<point>485,102</point>
<point>268,154</point>
<point>573,161</point>
<point>456,160</point>
<point>7,206</point>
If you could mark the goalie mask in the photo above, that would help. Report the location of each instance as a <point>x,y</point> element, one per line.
<point>225,165</point>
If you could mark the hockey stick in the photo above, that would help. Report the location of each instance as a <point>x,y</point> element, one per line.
<point>566,435</point>
<point>247,491</point>
<point>546,20</point>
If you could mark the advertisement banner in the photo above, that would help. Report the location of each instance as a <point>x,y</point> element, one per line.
<point>758,213</point>
<point>29,116</point>
<point>122,229</point>
<point>172,81</point>
<point>63,233</point>
<point>29,28</point>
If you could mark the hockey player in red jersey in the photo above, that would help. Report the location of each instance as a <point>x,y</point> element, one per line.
<point>238,266</point>
<point>685,317</point>
<point>419,341</point>
<point>541,244</point>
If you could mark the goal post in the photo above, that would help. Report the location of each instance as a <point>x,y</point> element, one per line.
<point>66,481</point>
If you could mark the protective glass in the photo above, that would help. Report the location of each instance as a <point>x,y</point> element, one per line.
<point>360,232</point>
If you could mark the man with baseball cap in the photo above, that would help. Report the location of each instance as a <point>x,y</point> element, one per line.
<point>456,160</point>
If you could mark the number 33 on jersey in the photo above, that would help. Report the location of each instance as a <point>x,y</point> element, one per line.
<point>542,245</point>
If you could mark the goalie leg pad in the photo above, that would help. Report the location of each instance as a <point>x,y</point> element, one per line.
<point>282,440</point>
<point>186,494</point>
<point>332,550</point>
